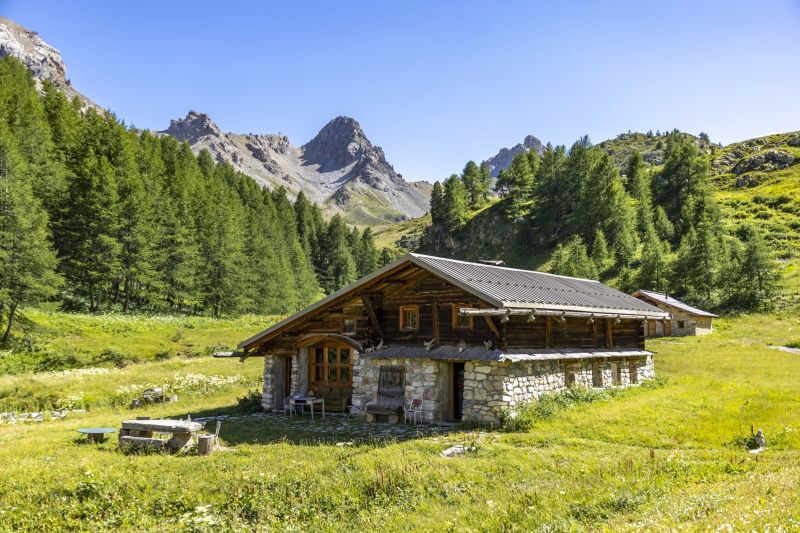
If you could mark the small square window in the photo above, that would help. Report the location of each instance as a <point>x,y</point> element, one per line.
<point>461,321</point>
<point>409,317</point>
<point>681,324</point>
<point>349,326</point>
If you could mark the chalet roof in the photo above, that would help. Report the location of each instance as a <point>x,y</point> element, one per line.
<point>672,302</point>
<point>511,355</point>
<point>499,287</point>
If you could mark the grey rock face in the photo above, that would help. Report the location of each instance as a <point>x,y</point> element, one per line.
<point>503,158</point>
<point>339,168</point>
<point>43,60</point>
<point>765,161</point>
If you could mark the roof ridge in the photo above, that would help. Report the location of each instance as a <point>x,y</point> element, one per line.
<point>484,265</point>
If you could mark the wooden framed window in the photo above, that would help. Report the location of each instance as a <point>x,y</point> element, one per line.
<point>330,365</point>
<point>349,326</point>
<point>460,321</point>
<point>409,317</point>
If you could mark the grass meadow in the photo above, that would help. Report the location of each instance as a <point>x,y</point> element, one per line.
<point>662,457</point>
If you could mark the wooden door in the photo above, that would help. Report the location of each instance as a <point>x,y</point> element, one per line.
<point>330,365</point>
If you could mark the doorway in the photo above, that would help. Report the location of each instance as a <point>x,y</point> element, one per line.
<point>458,390</point>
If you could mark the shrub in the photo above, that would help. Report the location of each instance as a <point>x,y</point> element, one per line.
<point>250,402</point>
<point>116,358</point>
<point>525,416</point>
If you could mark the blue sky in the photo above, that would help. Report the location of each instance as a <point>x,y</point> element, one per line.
<point>436,83</point>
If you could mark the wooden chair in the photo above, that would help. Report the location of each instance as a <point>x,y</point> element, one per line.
<point>412,410</point>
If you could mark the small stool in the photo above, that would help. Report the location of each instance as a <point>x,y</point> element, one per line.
<point>96,434</point>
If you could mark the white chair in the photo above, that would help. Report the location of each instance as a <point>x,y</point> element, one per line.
<point>412,412</point>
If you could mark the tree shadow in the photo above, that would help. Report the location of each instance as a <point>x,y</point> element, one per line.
<point>239,427</point>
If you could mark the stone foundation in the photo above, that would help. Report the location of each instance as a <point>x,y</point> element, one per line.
<point>422,380</point>
<point>491,387</point>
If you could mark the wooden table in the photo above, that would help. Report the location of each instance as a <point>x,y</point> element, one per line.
<point>140,433</point>
<point>96,434</point>
<point>307,400</point>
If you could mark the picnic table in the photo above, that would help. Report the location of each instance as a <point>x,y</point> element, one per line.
<point>96,434</point>
<point>306,400</point>
<point>140,433</point>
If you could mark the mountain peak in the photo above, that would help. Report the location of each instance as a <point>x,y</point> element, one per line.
<point>43,61</point>
<point>192,127</point>
<point>338,144</point>
<point>503,158</point>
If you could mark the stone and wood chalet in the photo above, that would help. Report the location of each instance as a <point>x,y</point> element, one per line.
<point>686,320</point>
<point>464,340</point>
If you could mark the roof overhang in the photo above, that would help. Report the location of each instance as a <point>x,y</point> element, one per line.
<point>374,278</point>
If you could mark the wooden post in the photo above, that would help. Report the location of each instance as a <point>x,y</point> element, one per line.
<point>373,318</point>
<point>595,334</point>
<point>548,341</point>
<point>609,334</point>
<point>435,312</point>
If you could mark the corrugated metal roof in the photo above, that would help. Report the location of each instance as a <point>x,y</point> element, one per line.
<point>514,288</point>
<point>499,286</point>
<point>513,355</point>
<point>677,304</point>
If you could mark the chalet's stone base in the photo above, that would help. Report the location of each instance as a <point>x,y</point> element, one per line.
<point>491,387</point>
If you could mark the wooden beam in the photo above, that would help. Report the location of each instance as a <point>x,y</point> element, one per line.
<point>595,333</point>
<point>548,337</point>
<point>609,334</point>
<point>435,313</point>
<point>492,326</point>
<point>373,318</point>
<point>468,311</point>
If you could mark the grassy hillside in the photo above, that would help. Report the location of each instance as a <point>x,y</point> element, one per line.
<point>652,147</point>
<point>654,458</point>
<point>59,341</point>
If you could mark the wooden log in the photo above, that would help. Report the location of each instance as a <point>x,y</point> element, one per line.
<point>205,444</point>
<point>373,317</point>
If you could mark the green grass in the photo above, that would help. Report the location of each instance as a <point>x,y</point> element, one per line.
<point>56,341</point>
<point>657,458</point>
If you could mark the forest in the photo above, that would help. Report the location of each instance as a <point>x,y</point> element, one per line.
<point>97,216</point>
<point>656,228</point>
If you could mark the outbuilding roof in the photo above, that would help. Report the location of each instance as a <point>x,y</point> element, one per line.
<point>499,287</point>
<point>672,302</point>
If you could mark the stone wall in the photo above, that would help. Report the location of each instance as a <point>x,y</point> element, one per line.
<point>422,380</point>
<point>267,392</point>
<point>491,387</point>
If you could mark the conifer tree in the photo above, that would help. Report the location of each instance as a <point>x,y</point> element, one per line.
<point>572,259</point>
<point>454,203</point>
<point>752,275</point>
<point>437,204</point>
<point>600,253</point>
<point>27,261</point>
<point>654,269</point>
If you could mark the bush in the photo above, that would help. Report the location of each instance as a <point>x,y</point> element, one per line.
<point>118,359</point>
<point>250,402</point>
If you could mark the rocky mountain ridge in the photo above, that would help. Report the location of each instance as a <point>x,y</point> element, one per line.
<point>502,159</point>
<point>339,168</point>
<point>43,60</point>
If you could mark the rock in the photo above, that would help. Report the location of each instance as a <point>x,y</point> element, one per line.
<point>760,440</point>
<point>458,449</point>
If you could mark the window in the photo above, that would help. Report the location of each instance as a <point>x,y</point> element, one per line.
<point>331,365</point>
<point>681,324</point>
<point>597,375</point>
<point>349,326</point>
<point>460,321</point>
<point>409,317</point>
<point>569,377</point>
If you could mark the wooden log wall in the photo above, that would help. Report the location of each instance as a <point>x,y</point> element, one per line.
<point>431,294</point>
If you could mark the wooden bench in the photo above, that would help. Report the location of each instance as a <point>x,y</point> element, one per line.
<point>391,388</point>
<point>181,432</point>
<point>142,442</point>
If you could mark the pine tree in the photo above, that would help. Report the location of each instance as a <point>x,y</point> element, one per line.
<point>664,228</point>
<point>454,203</point>
<point>640,188</point>
<point>654,268</point>
<point>27,261</point>
<point>698,265</point>
<point>752,276</point>
<point>572,259</point>
<point>368,257</point>
<point>600,253</point>
<point>518,181</point>
<point>437,204</point>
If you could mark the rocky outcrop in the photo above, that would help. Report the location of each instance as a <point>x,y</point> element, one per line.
<point>503,158</point>
<point>43,60</point>
<point>765,161</point>
<point>339,168</point>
